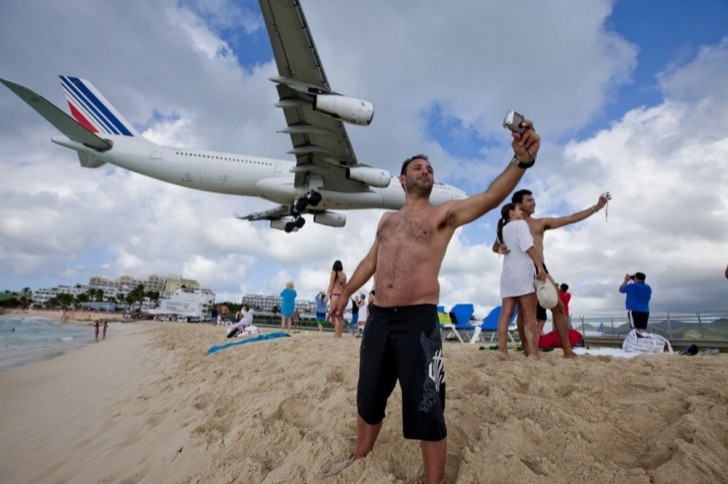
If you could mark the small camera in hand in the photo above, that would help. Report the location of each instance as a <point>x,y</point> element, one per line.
<point>513,122</point>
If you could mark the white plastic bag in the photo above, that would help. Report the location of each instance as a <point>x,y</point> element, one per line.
<point>645,343</point>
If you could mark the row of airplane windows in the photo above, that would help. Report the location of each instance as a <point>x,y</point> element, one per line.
<point>224,158</point>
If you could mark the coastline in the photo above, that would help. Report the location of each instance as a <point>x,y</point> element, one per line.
<point>150,405</point>
<point>21,356</point>
<point>76,316</point>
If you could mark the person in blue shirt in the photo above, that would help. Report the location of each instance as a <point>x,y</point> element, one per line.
<point>638,300</point>
<point>288,305</point>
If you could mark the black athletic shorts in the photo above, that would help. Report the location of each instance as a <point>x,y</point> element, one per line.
<point>639,319</point>
<point>404,344</point>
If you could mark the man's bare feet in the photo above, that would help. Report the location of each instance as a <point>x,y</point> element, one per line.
<point>503,355</point>
<point>334,467</point>
<point>570,354</point>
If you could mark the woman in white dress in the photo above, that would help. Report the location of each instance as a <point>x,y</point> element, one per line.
<point>520,265</point>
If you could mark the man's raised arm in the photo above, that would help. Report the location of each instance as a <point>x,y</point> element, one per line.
<point>551,223</point>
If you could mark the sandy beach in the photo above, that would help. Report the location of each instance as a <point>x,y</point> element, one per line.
<point>149,405</point>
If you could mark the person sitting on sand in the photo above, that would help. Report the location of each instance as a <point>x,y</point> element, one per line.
<point>245,326</point>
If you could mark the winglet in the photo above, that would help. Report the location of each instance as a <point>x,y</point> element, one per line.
<point>62,121</point>
<point>91,109</point>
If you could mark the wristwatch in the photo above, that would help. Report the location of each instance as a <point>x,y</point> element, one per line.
<point>522,164</point>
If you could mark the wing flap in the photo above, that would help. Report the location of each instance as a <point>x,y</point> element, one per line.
<point>272,214</point>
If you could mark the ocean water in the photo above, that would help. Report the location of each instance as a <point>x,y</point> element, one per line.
<point>26,339</point>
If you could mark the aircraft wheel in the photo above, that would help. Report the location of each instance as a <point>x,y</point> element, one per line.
<point>300,221</point>
<point>314,198</point>
<point>289,227</point>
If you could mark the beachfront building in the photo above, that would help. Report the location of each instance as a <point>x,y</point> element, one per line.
<point>42,296</point>
<point>116,290</point>
<point>266,304</point>
<point>113,288</point>
<point>187,303</point>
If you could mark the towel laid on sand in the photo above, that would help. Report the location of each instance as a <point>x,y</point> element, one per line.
<point>260,337</point>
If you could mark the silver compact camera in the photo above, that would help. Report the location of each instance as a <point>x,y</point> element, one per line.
<point>513,122</point>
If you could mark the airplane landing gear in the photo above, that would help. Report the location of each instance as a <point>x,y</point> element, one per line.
<point>311,197</point>
<point>293,224</point>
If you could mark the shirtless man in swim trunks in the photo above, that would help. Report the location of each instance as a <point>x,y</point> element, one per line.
<point>405,260</point>
<point>538,226</point>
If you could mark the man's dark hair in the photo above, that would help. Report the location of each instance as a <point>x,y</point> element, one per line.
<point>517,197</point>
<point>409,160</point>
<point>564,287</point>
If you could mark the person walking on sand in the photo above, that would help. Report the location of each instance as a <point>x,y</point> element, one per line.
<point>288,305</point>
<point>106,327</point>
<point>336,283</point>
<point>520,265</point>
<point>96,331</point>
<point>402,340</point>
<point>538,226</point>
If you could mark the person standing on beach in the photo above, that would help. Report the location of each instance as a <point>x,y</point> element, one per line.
<point>288,305</point>
<point>106,327</point>
<point>638,300</point>
<point>538,226</point>
<point>565,297</point>
<point>321,309</point>
<point>520,265</point>
<point>336,283</point>
<point>96,331</point>
<point>402,340</point>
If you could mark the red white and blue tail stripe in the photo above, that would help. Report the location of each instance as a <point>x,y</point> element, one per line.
<point>91,109</point>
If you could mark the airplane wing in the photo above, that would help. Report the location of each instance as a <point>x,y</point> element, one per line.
<point>320,143</point>
<point>62,121</point>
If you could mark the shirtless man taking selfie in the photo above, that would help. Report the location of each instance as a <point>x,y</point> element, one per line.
<point>402,337</point>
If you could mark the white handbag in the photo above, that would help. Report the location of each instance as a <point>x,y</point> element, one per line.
<point>546,293</point>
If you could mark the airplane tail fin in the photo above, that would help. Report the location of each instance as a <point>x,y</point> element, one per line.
<point>91,109</point>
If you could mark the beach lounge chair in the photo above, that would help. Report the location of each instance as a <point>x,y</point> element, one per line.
<point>490,324</point>
<point>446,325</point>
<point>459,321</point>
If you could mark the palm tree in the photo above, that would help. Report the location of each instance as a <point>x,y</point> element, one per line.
<point>136,295</point>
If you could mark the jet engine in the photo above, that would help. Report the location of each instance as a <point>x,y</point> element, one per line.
<point>371,176</point>
<point>332,219</point>
<point>347,109</point>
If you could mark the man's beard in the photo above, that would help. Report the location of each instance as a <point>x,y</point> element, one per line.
<point>420,188</point>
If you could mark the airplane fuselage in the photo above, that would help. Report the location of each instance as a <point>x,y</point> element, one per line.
<point>235,174</point>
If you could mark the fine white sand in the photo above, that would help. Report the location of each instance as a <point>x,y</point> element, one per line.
<point>149,405</point>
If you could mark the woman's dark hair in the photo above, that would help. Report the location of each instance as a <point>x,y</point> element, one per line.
<point>564,287</point>
<point>338,267</point>
<point>504,219</point>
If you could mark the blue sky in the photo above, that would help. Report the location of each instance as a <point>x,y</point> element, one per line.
<point>629,96</point>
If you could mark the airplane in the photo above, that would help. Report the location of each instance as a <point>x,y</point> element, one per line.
<point>326,175</point>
